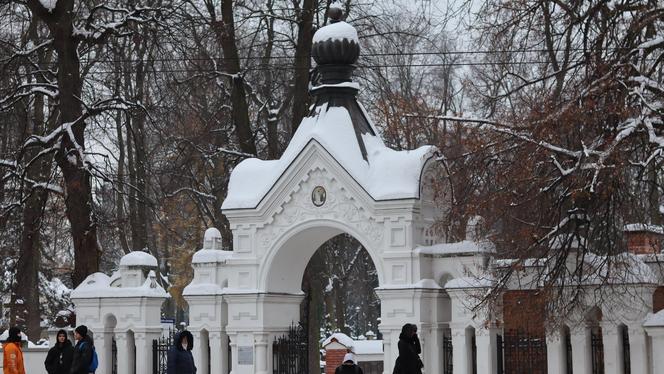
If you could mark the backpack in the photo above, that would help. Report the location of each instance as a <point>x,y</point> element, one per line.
<point>94,362</point>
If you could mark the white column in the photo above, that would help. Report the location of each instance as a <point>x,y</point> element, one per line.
<point>657,349</point>
<point>143,341</point>
<point>638,349</point>
<point>233,345</point>
<point>218,352</point>
<point>104,347</point>
<point>461,352</point>
<point>613,352</point>
<point>556,352</point>
<point>581,350</point>
<point>125,364</point>
<point>434,351</point>
<point>260,347</point>
<point>485,340</point>
<point>199,352</point>
<point>388,358</point>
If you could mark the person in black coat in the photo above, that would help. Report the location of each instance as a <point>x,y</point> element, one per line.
<point>409,361</point>
<point>180,359</point>
<point>58,360</point>
<point>82,357</point>
<point>348,366</point>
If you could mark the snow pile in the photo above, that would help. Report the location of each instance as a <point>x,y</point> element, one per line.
<point>368,347</point>
<point>336,31</point>
<point>654,320</point>
<point>98,285</point>
<point>387,174</point>
<point>637,227</point>
<point>49,4</point>
<point>459,248</point>
<point>138,258</point>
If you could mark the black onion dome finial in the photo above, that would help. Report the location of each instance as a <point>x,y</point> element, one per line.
<point>336,48</point>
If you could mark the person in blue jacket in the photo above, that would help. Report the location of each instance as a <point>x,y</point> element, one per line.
<point>180,359</point>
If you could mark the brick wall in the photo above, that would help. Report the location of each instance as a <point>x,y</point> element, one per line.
<point>524,332</point>
<point>658,299</point>
<point>333,358</point>
<point>643,242</point>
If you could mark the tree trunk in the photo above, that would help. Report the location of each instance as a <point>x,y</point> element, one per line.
<point>79,205</point>
<point>225,32</point>
<point>301,96</point>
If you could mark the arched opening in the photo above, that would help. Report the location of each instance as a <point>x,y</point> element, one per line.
<point>131,352</point>
<point>204,346</point>
<point>471,359</point>
<point>110,347</point>
<point>593,319</point>
<point>625,349</point>
<point>567,338</point>
<point>338,277</point>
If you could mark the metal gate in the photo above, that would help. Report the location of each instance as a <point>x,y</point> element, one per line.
<point>160,348</point>
<point>522,353</point>
<point>447,355</point>
<point>597,351</point>
<point>290,352</point>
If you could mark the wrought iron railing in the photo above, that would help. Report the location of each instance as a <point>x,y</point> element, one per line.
<point>290,352</point>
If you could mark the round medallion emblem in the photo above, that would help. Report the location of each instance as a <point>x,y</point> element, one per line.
<point>318,196</point>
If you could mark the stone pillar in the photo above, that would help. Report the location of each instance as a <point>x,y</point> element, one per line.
<point>218,352</point>
<point>638,349</point>
<point>581,350</point>
<point>556,352</point>
<point>104,347</point>
<point>485,341</point>
<point>233,344</point>
<point>260,347</point>
<point>613,350</point>
<point>143,341</point>
<point>388,356</point>
<point>655,329</point>
<point>461,351</point>
<point>199,352</point>
<point>125,362</point>
<point>434,350</point>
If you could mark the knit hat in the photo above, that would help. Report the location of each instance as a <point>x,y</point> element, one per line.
<point>14,334</point>
<point>349,357</point>
<point>82,330</point>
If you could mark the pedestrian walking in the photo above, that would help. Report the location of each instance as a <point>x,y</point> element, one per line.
<point>409,361</point>
<point>12,358</point>
<point>83,352</point>
<point>180,359</point>
<point>348,366</point>
<point>59,358</point>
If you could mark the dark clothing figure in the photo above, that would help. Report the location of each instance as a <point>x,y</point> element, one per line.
<point>348,366</point>
<point>82,356</point>
<point>348,369</point>
<point>180,359</point>
<point>59,358</point>
<point>409,361</point>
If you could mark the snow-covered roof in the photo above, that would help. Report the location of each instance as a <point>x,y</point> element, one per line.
<point>453,249</point>
<point>421,284</point>
<point>202,289</point>
<point>469,282</point>
<point>336,31</point>
<point>341,338</point>
<point>98,285</point>
<point>384,174</point>
<point>210,255</point>
<point>638,227</point>
<point>138,258</point>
